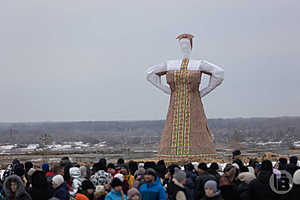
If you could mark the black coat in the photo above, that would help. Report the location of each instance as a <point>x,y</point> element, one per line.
<point>20,194</point>
<point>190,184</point>
<point>61,192</point>
<point>294,194</point>
<point>229,192</point>
<point>200,182</point>
<point>217,197</point>
<point>243,190</point>
<point>292,168</point>
<point>259,188</point>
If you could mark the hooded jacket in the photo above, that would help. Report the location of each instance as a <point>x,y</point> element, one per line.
<point>40,188</point>
<point>20,194</point>
<point>153,191</point>
<point>113,195</point>
<point>76,181</point>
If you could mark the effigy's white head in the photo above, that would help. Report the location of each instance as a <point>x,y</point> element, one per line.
<point>186,47</point>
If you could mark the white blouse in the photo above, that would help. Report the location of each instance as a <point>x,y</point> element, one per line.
<point>216,78</point>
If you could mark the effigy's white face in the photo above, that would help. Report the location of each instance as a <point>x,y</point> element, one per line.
<point>185,46</point>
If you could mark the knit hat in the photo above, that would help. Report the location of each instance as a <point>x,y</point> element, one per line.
<point>212,185</point>
<point>151,172</point>
<point>179,175</point>
<point>296,177</point>
<point>116,182</point>
<point>58,180</point>
<point>120,177</point>
<point>132,192</point>
<point>87,184</point>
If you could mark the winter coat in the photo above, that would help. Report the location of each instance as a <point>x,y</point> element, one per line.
<point>113,195</point>
<point>200,182</point>
<point>190,184</point>
<point>40,188</point>
<point>294,193</point>
<point>259,188</point>
<point>76,181</point>
<point>61,192</point>
<point>292,168</point>
<point>20,194</point>
<point>216,197</point>
<point>80,196</point>
<point>101,178</point>
<point>153,191</point>
<point>229,190</point>
<point>177,191</point>
<point>243,188</point>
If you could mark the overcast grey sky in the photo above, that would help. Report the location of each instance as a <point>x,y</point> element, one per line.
<point>86,60</point>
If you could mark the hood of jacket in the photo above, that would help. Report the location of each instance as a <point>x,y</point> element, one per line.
<point>75,172</point>
<point>246,177</point>
<point>20,186</point>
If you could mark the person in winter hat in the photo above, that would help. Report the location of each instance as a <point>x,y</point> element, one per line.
<point>259,188</point>
<point>211,191</point>
<point>152,189</point>
<point>243,188</point>
<point>86,192</point>
<point>60,188</point>
<point>176,189</point>
<point>14,189</point>
<point>134,194</point>
<point>112,169</point>
<point>76,182</point>
<point>127,175</point>
<point>139,178</point>
<point>116,193</point>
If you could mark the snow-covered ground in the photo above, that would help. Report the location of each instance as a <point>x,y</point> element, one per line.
<point>65,146</point>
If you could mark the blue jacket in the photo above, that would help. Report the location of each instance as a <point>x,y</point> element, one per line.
<point>113,195</point>
<point>153,191</point>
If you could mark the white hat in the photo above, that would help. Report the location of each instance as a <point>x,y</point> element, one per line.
<point>58,180</point>
<point>296,177</point>
<point>120,177</point>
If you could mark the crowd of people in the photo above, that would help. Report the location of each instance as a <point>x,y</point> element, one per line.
<point>151,181</point>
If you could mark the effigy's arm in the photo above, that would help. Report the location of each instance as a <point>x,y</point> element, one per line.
<point>216,76</point>
<point>154,74</point>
